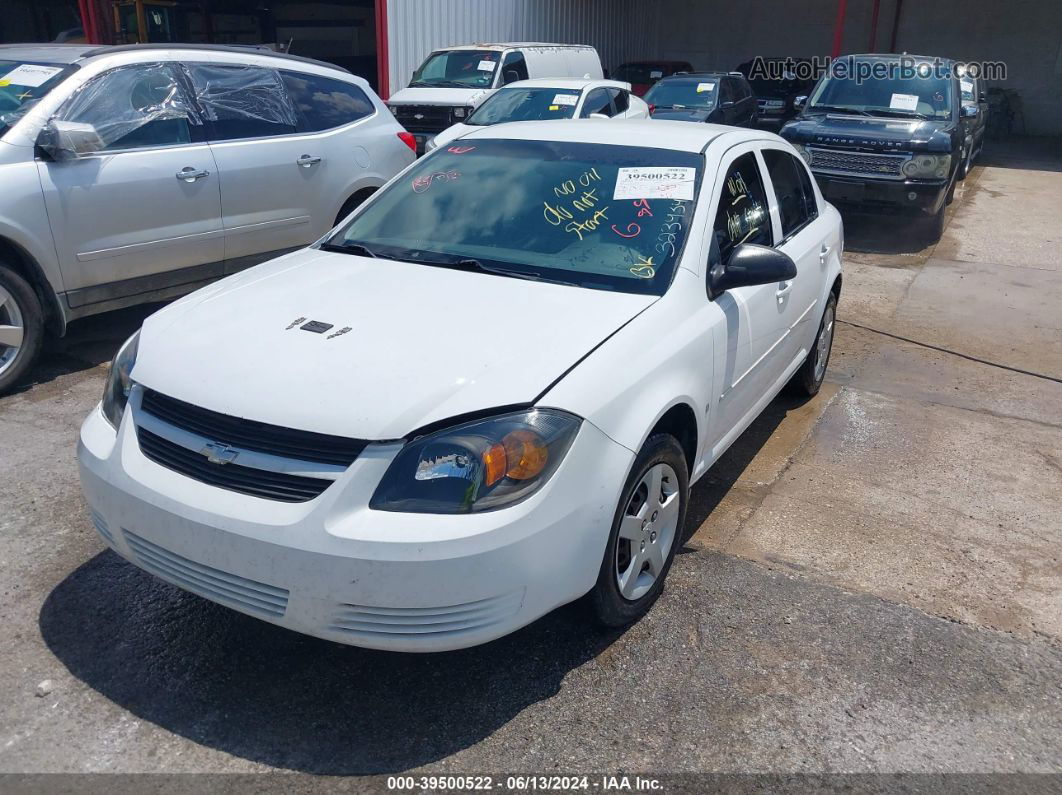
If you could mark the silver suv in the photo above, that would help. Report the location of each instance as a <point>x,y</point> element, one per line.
<point>138,173</point>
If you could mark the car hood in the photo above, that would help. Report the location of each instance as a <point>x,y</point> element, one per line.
<point>439,96</point>
<point>408,344</point>
<point>684,114</point>
<point>874,133</point>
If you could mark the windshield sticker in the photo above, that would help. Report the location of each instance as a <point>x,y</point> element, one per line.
<point>422,183</point>
<point>904,102</point>
<point>554,107</point>
<point>966,85</point>
<point>704,87</point>
<point>486,66</point>
<point>565,99</point>
<point>647,182</point>
<point>31,75</point>
<point>656,74</point>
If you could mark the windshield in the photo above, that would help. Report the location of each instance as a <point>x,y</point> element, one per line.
<point>457,69</point>
<point>640,73</point>
<point>683,94</point>
<point>526,104</point>
<point>893,95</point>
<point>23,83</point>
<point>602,217</point>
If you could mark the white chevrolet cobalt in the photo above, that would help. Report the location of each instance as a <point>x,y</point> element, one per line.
<point>486,394</point>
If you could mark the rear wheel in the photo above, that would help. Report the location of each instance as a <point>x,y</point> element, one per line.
<point>21,327</point>
<point>645,534</point>
<point>351,204</point>
<point>807,381</point>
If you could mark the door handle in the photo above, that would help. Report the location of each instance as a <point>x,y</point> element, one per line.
<point>189,174</point>
<point>783,291</point>
<point>308,160</point>
<point>824,252</point>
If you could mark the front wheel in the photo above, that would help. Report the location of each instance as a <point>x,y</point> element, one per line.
<point>807,381</point>
<point>646,532</point>
<point>21,327</point>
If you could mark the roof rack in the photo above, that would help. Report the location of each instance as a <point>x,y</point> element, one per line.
<point>253,49</point>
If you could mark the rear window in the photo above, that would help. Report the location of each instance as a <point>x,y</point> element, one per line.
<point>322,103</point>
<point>684,93</point>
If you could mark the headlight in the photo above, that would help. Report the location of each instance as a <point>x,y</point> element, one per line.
<point>927,166</point>
<point>803,152</point>
<point>460,113</point>
<point>116,392</point>
<point>478,466</point>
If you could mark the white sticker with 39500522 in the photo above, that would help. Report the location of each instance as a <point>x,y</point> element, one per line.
<point>486,66</point>
<point>655,182</point>
<point>904,102</point>
<point>565,99</point>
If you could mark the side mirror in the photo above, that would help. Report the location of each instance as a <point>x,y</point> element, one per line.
<point>800,102</point>
<point>597,116</point>
<point>969,111</point>
<point>66,140</point>
<point>749,264</point>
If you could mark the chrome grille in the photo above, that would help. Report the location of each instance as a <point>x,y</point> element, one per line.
<point>864,163</point>
<point>206,581</point>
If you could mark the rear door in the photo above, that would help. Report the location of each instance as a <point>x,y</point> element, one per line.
<point>143,211</point>
<point>272,177</point>
<point>804,237</point>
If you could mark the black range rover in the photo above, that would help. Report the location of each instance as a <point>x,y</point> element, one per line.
<point>885,132</point>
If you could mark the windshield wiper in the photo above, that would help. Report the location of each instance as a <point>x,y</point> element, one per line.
<point>475,266</point>
<point>350,248</point>
<point>906,114</point>
<point>839,109</point>
<point>437,84</point>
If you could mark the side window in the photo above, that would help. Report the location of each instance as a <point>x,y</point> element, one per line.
<point>514,68</point>
<point>726,91</point>
<point>742,216</point>
<point>620,100</point>
<point>597,101</point>
<point>785,173</point>
<point>322,103</point>
<point>135,107</point>
<point>810,202</point>
<point>242,101</point>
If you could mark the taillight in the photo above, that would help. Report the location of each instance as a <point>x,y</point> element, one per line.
<point>408,140</point>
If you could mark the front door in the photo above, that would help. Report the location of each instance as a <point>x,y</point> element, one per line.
<point>142,212</point>
<point>756,315</point>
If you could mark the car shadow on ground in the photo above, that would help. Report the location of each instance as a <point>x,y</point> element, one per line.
<point>869,233</point>
<point>88,343</point>
<point>269,695</point>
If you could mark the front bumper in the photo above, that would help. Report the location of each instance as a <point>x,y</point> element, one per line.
<point>888,195</point>
<point>335,569</point>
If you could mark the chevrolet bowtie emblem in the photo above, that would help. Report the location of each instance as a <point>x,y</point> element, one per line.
<point>220,454</point>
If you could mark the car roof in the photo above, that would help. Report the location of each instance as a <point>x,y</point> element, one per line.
<point>662,62</point>
<point>566,82</point>
<point>694,76</point>
<point>895,56</point>
<point>657,134</point>
<point>502,45</point>
<point>50,53</point>
<point>74,53</point>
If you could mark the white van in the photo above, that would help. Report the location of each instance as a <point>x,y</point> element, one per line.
<point>453,82</point>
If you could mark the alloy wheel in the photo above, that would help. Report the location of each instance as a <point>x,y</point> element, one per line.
<point>12,330</point>
<point>822,348</point>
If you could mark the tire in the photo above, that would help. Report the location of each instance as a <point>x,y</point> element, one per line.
<point>807,381</point>
<point>351,204</point>
<point>618,600</point>
<point>21,322</point>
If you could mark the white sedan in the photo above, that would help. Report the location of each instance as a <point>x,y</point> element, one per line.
<point>545,100</point>
<point>484,395</point>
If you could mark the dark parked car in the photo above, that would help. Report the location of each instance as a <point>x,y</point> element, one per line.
<point>716,97</point>
<point>894,142</point>
<point>642,75</point>
<point>776,97</point>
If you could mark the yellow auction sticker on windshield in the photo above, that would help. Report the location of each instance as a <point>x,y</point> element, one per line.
<point>4,83</point>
